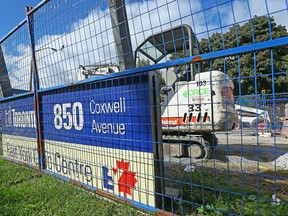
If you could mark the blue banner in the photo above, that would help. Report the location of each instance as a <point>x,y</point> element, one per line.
<point>113,114</point>
<point>18,117</point>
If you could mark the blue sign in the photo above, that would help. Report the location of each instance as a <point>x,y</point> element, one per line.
<point>18,117</point>
<point>112,114</point>
<point>112,117</point>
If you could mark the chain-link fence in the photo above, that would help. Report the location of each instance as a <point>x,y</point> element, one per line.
<point>174,106</point>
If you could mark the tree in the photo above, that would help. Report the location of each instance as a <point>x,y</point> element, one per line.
<point>258,64</point>
<point>146,62</point>
<point>143,63</point>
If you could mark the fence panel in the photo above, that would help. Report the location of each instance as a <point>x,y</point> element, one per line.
<point>100,134</point>
<point>221,146</point>
<point>69,35</point>
<point>19,131</point>
<point>15,57</point>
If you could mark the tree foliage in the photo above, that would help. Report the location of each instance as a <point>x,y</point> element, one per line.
<point>146,62</point>
<point>258,64</point>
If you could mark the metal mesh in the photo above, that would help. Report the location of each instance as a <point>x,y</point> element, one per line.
<point>16,62</point>
<point>204,89</point>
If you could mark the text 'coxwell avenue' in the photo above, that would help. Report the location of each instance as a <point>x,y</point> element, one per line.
<point>110,107</point>
<point>116,107</point>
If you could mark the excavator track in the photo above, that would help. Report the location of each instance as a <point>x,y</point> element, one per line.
<point>197,146</point>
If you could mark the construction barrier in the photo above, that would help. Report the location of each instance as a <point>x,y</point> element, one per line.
<point>173,106</point>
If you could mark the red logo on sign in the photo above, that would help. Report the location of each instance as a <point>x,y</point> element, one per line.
<point>127,179</point>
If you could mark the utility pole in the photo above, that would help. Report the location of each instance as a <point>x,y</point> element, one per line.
<point>5,85</point>
<point>121,34</point>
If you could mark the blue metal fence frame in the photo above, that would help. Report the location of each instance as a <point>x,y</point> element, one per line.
<point>236,51</point>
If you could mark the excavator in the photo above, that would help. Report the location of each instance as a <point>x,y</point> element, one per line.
<point>195,103</point>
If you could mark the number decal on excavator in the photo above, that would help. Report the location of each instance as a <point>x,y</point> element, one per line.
<point>201,83</point>
<point>194,107</point>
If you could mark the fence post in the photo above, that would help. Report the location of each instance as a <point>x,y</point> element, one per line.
<point>265,109</point>
<point>29,16</point>
<point>121,34</point>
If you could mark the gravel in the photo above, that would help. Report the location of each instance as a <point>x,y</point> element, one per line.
<point>237,160</point>
<point>282,162</point>
<point>234,161</point>
<point>239,152</point>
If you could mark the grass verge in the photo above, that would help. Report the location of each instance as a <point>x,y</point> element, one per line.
<point>208,191</point>
<point>25,192</point>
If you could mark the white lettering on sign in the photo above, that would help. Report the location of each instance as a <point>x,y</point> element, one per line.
<point>20,118</point>
<point>109,128</point>
<point>110,107</point>
<point>68,116</point>
<point>116,107</point>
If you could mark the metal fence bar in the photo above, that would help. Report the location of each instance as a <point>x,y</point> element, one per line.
<point>221,146</point>
<point>37,101</point>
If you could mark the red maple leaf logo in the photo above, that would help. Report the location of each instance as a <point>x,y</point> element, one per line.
<point>127,179</point>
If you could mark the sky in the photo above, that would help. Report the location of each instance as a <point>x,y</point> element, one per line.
<point>12,13</point>
<point>84,29</point>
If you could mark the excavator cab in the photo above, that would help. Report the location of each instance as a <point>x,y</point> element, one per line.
<point>179,41</point>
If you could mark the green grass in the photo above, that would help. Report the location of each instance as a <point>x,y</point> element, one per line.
<point>24,192</point>
<point>1,145</point>
<point>217,192</point>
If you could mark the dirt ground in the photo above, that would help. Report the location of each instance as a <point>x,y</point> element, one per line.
<point>238,149</point>
<point>250,146</point>
<point>243,159</point>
